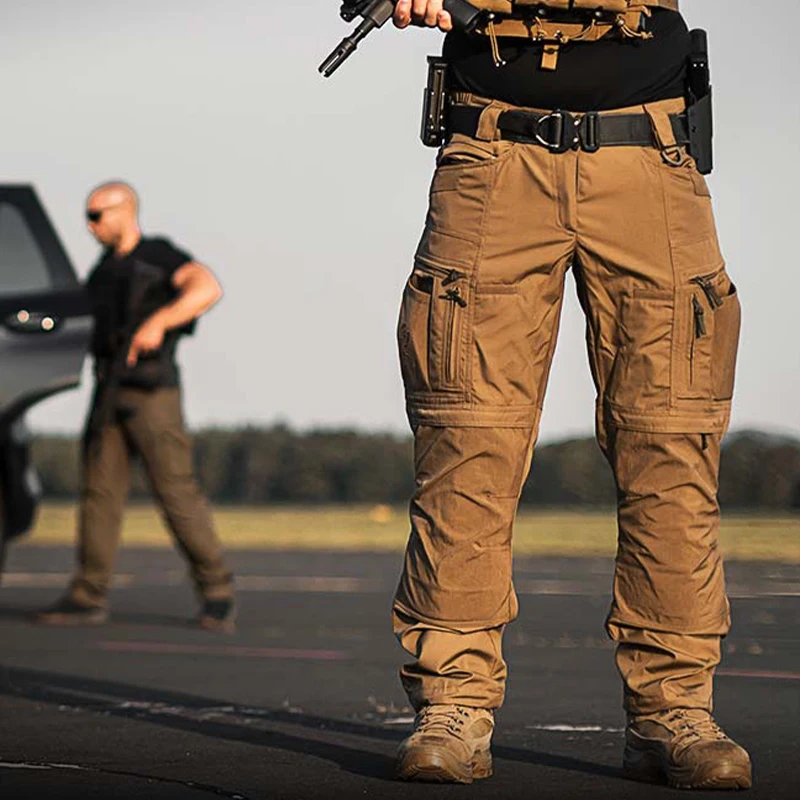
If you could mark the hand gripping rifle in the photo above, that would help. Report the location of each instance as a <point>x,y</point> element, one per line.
<point>376,13</point>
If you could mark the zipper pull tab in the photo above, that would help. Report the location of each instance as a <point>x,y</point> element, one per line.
<point>699,318</point>
<point>453,276</point>
<point>714,300</point>
<point>454,296</point>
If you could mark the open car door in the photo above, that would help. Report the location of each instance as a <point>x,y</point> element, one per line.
<point>44,335</point>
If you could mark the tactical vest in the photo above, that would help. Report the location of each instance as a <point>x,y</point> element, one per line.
<point>121,305</point>
<point>558,22</point>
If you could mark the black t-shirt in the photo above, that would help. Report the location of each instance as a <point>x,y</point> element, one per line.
<point>591,76</point>
<point>112,288</point>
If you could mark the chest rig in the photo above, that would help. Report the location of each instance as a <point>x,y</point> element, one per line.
<point>556,23</point>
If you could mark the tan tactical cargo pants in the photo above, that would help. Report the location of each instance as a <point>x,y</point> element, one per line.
<point>150,425</point>
<point>477,331</point>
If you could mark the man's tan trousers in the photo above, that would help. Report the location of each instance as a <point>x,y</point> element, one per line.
<point>148,424</point>
<point>477,332</point>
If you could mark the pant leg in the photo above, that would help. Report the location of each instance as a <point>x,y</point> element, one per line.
<point>157,431</point>
<point>477,332</point>
<point>105,484</point>
<point>663,326</point>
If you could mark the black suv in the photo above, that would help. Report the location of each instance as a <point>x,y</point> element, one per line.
<point>44,334</point>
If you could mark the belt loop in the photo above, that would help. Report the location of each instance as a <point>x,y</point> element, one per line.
<point>488,130</point>
<point>665,135</point>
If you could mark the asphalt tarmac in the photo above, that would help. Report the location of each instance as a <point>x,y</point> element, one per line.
<point>303,701</point>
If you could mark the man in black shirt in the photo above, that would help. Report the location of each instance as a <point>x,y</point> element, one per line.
<point>523,192</point>
<point>145,293</point>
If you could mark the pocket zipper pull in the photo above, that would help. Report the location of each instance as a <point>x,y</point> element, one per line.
<point>454,295</point>
<point>699,318</point>
<point>714,300</point>
<point>453,276</point>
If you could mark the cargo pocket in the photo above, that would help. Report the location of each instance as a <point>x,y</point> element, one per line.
<point>510,350</point>
<point>432,328</point>
<point>641,378</point>
<point>687,201</point>
<point>465,174</point>
<point>709,319</point>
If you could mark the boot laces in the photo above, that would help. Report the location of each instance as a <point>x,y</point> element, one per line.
<point>447,719</point>
<point>692,725</point>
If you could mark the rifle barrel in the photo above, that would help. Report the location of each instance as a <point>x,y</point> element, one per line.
<point>346,48</point>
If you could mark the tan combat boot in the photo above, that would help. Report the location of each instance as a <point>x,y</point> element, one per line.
<point>450,744</point>
<point>685,748</point>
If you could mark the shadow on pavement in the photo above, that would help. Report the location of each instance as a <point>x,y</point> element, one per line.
<point>215,718</point>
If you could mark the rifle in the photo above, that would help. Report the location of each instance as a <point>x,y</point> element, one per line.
<point>376,13</point>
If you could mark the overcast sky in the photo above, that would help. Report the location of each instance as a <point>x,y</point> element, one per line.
<point>307,196</point>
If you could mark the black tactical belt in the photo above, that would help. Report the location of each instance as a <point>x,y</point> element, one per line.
<point>560,131</point>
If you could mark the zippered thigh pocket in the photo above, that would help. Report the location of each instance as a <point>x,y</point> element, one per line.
<point>432,328</point>
<point>709,319</point>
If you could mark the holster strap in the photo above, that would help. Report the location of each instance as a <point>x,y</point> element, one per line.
<point>560,131</point>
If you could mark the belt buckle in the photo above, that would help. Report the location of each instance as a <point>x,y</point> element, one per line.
<point>566,131</point>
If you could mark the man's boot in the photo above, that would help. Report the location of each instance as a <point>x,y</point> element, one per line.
<point>67,612</point>
<point>686,749</point>
<point>450,744</point>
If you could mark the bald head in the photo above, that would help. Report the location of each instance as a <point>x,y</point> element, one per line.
<point>113,214</point>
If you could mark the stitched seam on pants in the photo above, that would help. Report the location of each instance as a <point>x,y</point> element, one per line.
<point>675,279</point>
<point>469,385</point>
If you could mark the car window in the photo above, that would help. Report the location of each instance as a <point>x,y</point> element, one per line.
<point>23,267</point>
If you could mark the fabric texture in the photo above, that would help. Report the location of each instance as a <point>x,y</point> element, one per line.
<point>148,425</point>
<point>591,76</point>
<point>123,292</point>
<point>477,332</point>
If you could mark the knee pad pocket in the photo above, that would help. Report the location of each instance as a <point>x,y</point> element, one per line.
<point>675,367</point>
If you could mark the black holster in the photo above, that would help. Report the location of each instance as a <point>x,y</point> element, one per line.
<point>434,106</point>
<point>699,112</point>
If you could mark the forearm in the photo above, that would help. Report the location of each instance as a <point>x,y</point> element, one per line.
<point>197,294</point>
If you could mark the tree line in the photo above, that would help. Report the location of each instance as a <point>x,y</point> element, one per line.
<point>260,466</point>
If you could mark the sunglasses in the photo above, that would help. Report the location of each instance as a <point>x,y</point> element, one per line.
<point>95,215</point>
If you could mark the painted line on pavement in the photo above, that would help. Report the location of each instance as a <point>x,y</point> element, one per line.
<point>165,648</point>
<point>573,729</point>
<point>332,584</point>
<point>51,580</point>
<point>315,584</point>
<point>759,673</point>
<point>318,583</point>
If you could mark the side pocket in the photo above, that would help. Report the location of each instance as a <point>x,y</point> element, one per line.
<point>641,376</point>
<point>708,322</point>
<point>510,354</point>
<point>727,326</point>
<point>412,335</point>
<point>431,329</point>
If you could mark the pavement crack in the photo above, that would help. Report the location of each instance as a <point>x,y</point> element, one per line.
<point>201,787</point>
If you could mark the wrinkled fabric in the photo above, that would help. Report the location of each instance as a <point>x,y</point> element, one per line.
<point>477,332</point>
<point>148,424</point>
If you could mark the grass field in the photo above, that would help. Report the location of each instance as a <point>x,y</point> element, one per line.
<point>381,528</point>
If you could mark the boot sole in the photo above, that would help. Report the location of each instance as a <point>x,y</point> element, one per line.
<point>73,620</point>
<point>421,764</point>
<point>218,626</point>
<point>647,767</point>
